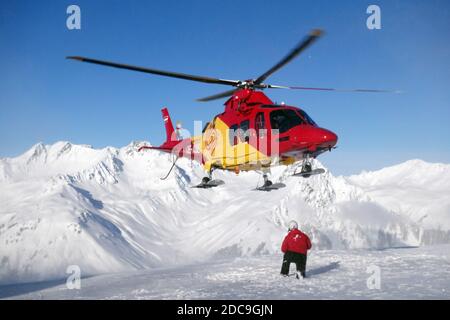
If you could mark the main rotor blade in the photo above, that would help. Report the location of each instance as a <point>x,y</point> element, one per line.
<point>158,72</point>
<point>217,96</point>
<point>313,36</point>
<point>332,89</point>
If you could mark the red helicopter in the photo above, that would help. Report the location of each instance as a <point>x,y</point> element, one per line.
<point>253,133</point>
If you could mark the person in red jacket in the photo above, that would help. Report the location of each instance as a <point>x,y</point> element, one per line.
<point>295,247</point>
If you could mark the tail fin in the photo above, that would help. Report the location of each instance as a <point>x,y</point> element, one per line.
<point>168,124</point>
<point>169,144</point>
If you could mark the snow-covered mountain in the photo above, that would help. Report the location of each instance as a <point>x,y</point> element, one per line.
<point>108,211</point>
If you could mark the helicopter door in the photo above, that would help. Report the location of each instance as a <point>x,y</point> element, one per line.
<point>244,136</point>
<point>261,133</point>
<point>244,133</point>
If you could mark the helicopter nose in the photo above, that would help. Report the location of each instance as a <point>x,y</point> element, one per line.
<point>328,137</point>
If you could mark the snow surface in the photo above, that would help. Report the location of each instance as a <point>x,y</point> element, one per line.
<point>406,273</point>
<point>107,211</point>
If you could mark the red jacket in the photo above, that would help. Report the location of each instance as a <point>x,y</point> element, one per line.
<point>296,241</point>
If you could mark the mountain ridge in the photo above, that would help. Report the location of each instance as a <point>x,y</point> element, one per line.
<point>107,210</point>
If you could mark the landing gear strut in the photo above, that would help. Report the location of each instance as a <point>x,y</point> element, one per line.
<point>269,185</point>
<point>307,169</point>
<point>267,182</point>
<point>209,182</point>
<point>207,179</point>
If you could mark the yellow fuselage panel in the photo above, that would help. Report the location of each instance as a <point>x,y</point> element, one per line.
<point>216,145</point>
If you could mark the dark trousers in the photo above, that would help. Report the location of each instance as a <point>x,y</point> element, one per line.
<point>293,257</point>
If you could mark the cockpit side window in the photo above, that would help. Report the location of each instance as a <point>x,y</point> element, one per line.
<point>307,118</point>
<point>285,119</point>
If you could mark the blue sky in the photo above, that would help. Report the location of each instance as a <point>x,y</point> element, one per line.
<point>44,97</point>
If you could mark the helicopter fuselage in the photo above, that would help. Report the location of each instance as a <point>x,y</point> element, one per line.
<point>253,133</point>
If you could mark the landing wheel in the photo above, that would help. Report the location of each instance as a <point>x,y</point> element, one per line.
<point>209,178</point>
<point>305,169</point>
<point>267,183</point>
<point>205,180</point>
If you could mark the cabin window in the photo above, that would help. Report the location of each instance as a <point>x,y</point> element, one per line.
<point>260,124</point>
<point>233,134</point>
<point>283,120</point>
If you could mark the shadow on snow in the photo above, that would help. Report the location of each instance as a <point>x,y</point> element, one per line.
<point>323,269</point>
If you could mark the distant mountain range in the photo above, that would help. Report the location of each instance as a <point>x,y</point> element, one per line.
<point>108,210</point>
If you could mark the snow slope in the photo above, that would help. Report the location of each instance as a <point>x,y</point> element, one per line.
<point>108,211</point>
<point>423,188</point>
<point>407,273</point>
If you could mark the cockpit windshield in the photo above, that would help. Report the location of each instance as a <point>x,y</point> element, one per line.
<point>284,119</point>
<point>307,118</point>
